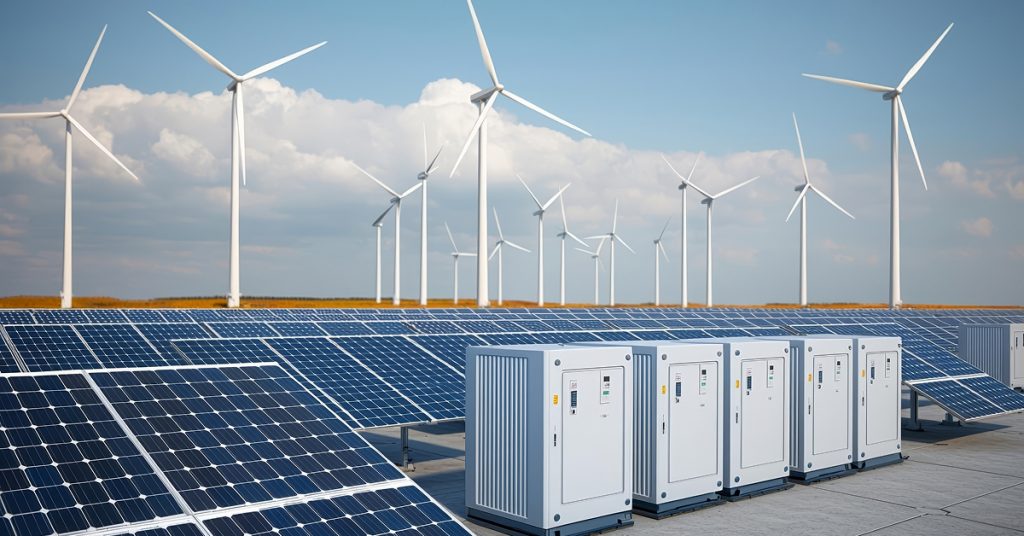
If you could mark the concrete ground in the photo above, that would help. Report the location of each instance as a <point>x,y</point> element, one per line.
<point>959,479</point>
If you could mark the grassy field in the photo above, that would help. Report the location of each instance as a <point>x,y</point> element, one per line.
<point>103,302</point>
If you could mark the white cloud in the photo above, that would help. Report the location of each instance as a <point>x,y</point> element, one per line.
<point>185,153</point>
<point>981,227</point>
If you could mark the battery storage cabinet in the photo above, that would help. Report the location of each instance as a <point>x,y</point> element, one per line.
<point>549,438</point>
<point>755,431</point>
<point>822,411</point>
<point>677,426</point>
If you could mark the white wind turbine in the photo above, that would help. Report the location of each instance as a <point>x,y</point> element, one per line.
<point>65,113</point>
<point>659,248</point>
<point>377,224</point>
<point>684,182</point>
<point>541,209</point>
<point>455,263</point>
<point>497,251</point>
<point>612,237</point>
<point>561,266</point>
<point>237,140</point>
<point>596,257</point>
<point>396,202</point>
<point>428,168</point>
<point>485,101</point>
<point>709,200</point>
<point>895,94</point>
<point>801,200</point>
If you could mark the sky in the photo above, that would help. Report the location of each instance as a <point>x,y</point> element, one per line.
<point>718,79</point>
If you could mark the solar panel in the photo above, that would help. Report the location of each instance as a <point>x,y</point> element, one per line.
<point>345,328</point>
<point>7,361</point>
<point>160,335</point>
<point>767,332</point>
<point>433,386</point>
<point>651,334</point>
<point>510,338</point>
<point>533,325</point>
<point>404,510</point>
<point>450,348</point>
<point>297,329</point>
<point>66,465</point>
<point>16,317</point>
<point>120,345</point>
<point>998,393</point>
<point>434,326</point>
<point>60,316</point>
<point>143,315</point>
<point>726,332</point>
<point>481,326</point>
<point>364,396</point>
<point>106,316</point>
<point>241,329</point>
<point>225,351</point>
<point>177,529</point>
<point>204,315</point>
<point>956,399</point>
<point>233,435</point>
<point>44,348</point>
<point>389,328</point>
<point>176,315</point>
<point>687,334</point>
<point>616,336</point>
<point>565,337</point>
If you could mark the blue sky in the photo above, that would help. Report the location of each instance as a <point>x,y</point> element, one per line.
<point>643,77</point>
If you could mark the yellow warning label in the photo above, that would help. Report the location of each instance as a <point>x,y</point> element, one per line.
<point>810,377</point>
<point>737,384</point>
<point>861,373</point>
<point>555,400</point>
<point>664,389</point>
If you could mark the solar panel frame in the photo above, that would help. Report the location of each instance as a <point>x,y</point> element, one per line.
<point>224,351</point>
<point>351,327</point>
<point>121,345</point>
<point>50,347</point>
<point>297,329</point>
<point>449,348</point>
<point>246,329</point>
<point>957,399</point>
<point>161,335</point>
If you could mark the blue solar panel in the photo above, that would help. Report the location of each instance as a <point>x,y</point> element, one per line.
<point>161,335</point>
<point>234,435</point>
<point>914,369</point>
<point>957,399</point>
<point>205,315</point>
<point>482,326</point>
<point>106,316</point>
<point>616,336</point>
<point>450,348</point>
<point>16,317</point>
<point>651,334</point>
<point>241,329</point>
<point>432,385</point>
<point>44,348</point>
<point>438,327</point>
<point>533,325</point>
<point>406,511</point>
<point>389,328</point>
<point>297,329</point>
<point>60,316</point>
<point>65,463</point>
<point>176,315</point>
<point>120,345</point>
<point>7,361</point>
<point>565,337</point>
<point>143,315</point>
<point>687,334</point>
<point>180,529</point>
<point>363,395</point>
<point>510,338</point>
<point>726,332</point>
<point>345,328</point>
<point>998,393</point>
<point>225,351</point>
<point>767,332</point>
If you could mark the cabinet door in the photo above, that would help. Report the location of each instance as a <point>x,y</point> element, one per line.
<point>762,412</point>
<point>693,400</point>
<point>881,398</point>
<point>593,433</point>
<point>830,419</point>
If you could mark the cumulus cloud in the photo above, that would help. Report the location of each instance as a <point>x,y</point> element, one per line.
<point>981,227</point>
<point>185,153</point>
<point>1007,173</point>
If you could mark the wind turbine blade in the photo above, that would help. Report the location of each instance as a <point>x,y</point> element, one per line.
<point>615,217</point>
<point>692,169</point>
<point>374,179</point>
<point>738,186</point>
<point>430,168</point>
<point>686,180</point>
<point>542,111</point>
<point>483,44</point>
<point>100,145</point>
<point>663,229</point>
<point>494,251</point>
<point>535,200</point>
<point>600,244</point>
<point>517,246</point>
<point>831,202</point>
<point>240,118</point>
<point>597,237</point>
<point>195,48</point>
<point>807,176</point>
<point>576,238</point>
<point>588,252</point>
<point>450,238</point>
<point>425,166</point>
<point>623,242</point>
<point>670,166</point>
<point>558,195</point>
<point>497,224</point>
<point>661,247</point>
<point>803,193</point>
<point>467,254</point>
<point>380,218</point>
<point>851,83</point>
<point>277,63</point>
<point>418,185</point>
<point>29,115</point>
<point>476,127</point>
<point>565,224</point>
<point>910,138</point>
<point>920,63</point>
<point>85,71</point>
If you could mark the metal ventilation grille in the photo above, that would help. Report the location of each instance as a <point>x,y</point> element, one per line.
<point>644,422</point>
<point>501,434</point>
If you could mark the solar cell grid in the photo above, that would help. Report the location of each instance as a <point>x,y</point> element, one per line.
<point>345,328</point>
<point>957,399</point>
<point>364,396</point>
<point>234,435</point>
<point>225,351</point>
<point>175,315</point>
<point>60,316</point>
<point>389,328</point>
<point>297,329</point>
<point>432,385</point>
<point>120,345</point>
<point>996,392</point>
<point>651,334</point>
<point>688,333</point>
<point>160,335</point>
<point>510,338</point>
<point>106,316</point>
<point>241,329</point>
<point>176,529</point>
<point>450,348</point>
<point>66,465</point>
<point>616,336</point>
<point>7,361</point>
<point>434,326</point>
<point>204,315</point>
<point>482,326</point>
<point>143,315</point>
<point>16,317</point>
<point>726,332</point>
<point>45,348</point>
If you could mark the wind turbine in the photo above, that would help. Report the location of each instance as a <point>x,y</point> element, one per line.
<point>428,168</point>
<point>377,223</point>
<point>895,94</point>
<point>237,139</point>
<point>684,182</point>
<point>69,122</point>
<point>596,257</point>
<point>396,201</point>
<point>659,248</point>
<point>709,201</point>
<point>485,101</point>
<point>561,266</point>
<point>497,250</point>
<point>801,200</point>
<point>612,237</point>
<point>541,209</point>
<point>455,267</point>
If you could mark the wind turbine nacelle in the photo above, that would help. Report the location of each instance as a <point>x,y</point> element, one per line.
<point>890,95</point>
<point>798,188</point>
<point>706,201</point>
<point>483,95</point>
<point>422,176</point>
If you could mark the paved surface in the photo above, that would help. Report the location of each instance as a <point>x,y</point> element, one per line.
<point>962,480</point>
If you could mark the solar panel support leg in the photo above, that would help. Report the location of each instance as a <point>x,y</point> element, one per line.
<point>407,464</point>
<point>949,420</point>
<point>914,425</point>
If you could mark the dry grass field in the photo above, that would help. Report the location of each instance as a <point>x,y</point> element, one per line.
<point>104,302</point>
